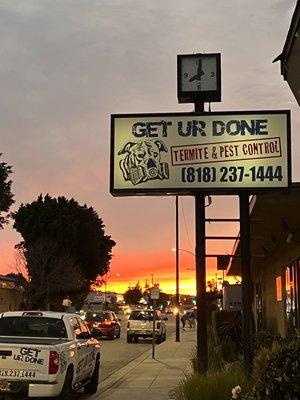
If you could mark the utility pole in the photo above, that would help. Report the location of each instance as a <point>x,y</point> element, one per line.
<point>200,262</point>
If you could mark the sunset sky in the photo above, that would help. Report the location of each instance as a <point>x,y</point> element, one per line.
<point>66,65</point>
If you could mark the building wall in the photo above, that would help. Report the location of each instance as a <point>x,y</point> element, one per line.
<point>275,317</point>
<point>274,308</point>
<point>10,299</point>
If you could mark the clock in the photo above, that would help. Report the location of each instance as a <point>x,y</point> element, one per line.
<point>199,77</point>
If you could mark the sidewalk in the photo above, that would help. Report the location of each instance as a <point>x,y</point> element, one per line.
<point>146,378</point>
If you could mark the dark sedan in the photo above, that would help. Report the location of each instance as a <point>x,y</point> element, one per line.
<point>104,323</point>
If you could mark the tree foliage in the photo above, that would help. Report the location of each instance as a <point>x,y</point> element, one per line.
<point>134,294</point>
<point>52,273</point>
<point>6,196</point>
<point>75,230</point>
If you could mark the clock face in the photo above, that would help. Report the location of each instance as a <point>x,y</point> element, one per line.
<point>199,73</point>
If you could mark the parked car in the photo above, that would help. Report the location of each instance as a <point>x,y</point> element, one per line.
<point>104,323</point>
<point>47,354</point>
<point>140,324</point>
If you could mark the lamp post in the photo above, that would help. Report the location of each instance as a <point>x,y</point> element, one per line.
<point>187,251</point>
<point>176,250</point>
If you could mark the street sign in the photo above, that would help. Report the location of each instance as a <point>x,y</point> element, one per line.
<point>154,293</point>
<point>184,153</point>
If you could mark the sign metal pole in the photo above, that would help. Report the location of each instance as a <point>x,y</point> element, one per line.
<point>247,318</point>
<point>200,261</point>
<point>177,336</point>
<point>153,335</point>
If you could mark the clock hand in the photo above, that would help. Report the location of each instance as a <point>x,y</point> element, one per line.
<point>193,78</point>
<point>199,72</point>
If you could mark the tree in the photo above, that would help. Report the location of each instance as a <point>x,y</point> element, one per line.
<point>134,294</point>
<point>52,274</point>
<point>6,197</point>
<point>76,230</point>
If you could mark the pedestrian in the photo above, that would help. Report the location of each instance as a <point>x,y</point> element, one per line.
<point>184,320</point>
<point>191,319</point>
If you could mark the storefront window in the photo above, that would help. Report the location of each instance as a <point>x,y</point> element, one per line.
<point>292,276</point>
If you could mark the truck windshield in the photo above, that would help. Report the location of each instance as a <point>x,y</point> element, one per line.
<point>32,327</point>
<point>141,315</point>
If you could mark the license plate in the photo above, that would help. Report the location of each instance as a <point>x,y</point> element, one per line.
<point>4,386</point>
<point>16,373</point>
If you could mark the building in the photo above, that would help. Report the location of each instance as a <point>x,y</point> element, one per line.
<point>10,294</point>
<point>97,301</point>
<point>275,229</point>
<point>290,56</point>
<point>275,262</point>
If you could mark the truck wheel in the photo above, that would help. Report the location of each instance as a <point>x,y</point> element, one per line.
<point>67,388</point>
<point>92,386</point>
<point>159,339</point>
<point>112,335</point>
<point>129,339</point>
<point>135,339</point>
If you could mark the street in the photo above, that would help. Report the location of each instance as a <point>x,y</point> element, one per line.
<point>115,354</point>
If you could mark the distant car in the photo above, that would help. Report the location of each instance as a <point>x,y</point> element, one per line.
<point>140,324</point>
<point>104,323</point>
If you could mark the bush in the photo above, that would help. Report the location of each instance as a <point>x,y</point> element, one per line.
<point>214,386</point>
<point>227,327</point>
<point>215,359</point>
<point>264,339</point>
<point>277,374</point>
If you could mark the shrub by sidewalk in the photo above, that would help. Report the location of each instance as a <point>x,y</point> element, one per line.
<point>276,372</point>
<point>214,386</point>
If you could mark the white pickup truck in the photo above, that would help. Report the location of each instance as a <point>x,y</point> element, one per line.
<point>47,354</point>
<point>140,324</point>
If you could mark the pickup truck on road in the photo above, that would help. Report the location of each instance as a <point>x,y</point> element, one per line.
<point>140,324</point>
<point>47,354</point>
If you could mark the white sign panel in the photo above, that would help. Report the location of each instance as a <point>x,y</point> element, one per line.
<point>154,293</point>
<point>214,152</point>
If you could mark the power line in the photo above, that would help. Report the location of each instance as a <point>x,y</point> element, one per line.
<point>185,224</point>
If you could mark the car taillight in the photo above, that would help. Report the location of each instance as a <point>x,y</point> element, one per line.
<point>158,325</point>
<point>107,323</point>
<point>53,362</point>
<point>128,324</point>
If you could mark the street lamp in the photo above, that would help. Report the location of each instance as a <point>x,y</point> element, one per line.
<point>187,251</point>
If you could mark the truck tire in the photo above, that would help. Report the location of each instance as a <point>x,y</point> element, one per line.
<point>92,386</point>
<point>129,338</point>
<point>67,388</point>
<point>159,339</point>
<point>112,335</point>
<point>135,339</point>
